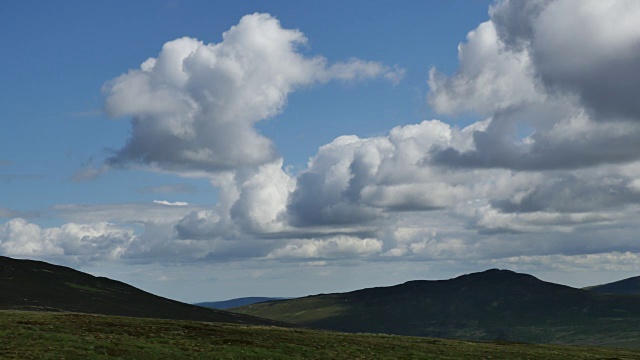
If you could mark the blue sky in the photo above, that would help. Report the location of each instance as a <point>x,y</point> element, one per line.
<point>62,54</point>
<point>320,146</point>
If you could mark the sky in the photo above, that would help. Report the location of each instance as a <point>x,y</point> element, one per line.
<point>210,150</point>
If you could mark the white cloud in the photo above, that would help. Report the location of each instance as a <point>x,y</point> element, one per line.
<point>550,174</point>
<point>353,180</point>
<point>610,261</point>
<point>169,203</point>
<point>335,247</point>
<point>263,200</point>
<point>490,77</point>
<point>73,242</point>
<point>154,212</point>
<point>195,105</point>
<point>590,48</point>
<point>19,237</point>
<point>493,220</point>
<point>558,80</point>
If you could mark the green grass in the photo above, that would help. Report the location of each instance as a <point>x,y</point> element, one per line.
<point>39,335</point>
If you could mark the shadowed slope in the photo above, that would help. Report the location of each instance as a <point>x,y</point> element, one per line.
<point>37,285</point>
<point>494,304</point>
<point>626,286</point>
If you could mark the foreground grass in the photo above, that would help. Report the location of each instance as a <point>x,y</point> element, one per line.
<point>34,335</point>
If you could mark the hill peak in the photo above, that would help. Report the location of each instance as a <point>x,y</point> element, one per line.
<point>500,272</point>
<point>495,274</point>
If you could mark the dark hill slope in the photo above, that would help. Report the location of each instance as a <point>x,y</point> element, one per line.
<point>494,304</point>
<point>626,286</point>
<point>37,285</point>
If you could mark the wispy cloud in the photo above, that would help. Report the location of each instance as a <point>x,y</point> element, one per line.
<point>169,203</point>
<point>89,172</point>
<point>10,213</point>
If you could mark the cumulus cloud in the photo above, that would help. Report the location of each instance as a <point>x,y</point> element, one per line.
<point>489,78</point>
<point>548,175</point>
<point>194,106</point>
<point>580,191</point>
<point>251,202</point>
<point>263,199</point>
<point>75,242</point>
<point>335,247</point>
<point>547,159</point>
<point>557,81</point>
<point>355,180</point>
<point>588,48</point>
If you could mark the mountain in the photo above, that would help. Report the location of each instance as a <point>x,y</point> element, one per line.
<point>40,286</point>
<point>244,301</point>
<point>490,305</point>
<point>626,286</point>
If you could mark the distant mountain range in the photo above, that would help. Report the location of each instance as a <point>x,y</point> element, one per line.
<point>490,305</point>
<point>244,301</point>
<point>40,286</point>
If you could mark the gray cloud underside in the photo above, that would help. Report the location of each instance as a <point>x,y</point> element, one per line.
<point>562,70</point>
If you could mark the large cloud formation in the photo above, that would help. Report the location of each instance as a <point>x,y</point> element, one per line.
<point>549,172</point>
<point>194,106</point>
<point>556,78</point>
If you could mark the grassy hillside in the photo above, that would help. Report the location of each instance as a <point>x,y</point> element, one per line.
<point>37,285</point>
<point>42,335</point>
<point>492,305</point>
<point>626,286</point>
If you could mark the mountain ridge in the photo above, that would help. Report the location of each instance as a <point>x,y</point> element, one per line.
<point>489,305</point>
<point>625,286</point>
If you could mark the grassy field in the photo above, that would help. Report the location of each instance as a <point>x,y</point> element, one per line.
<point>38,335</point>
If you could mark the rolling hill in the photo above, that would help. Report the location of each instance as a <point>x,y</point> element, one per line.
<point>490,305</point>
<point>40,286</point>
<point>42,335</point>
<point>625,286</point>
<point>244,301</point>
